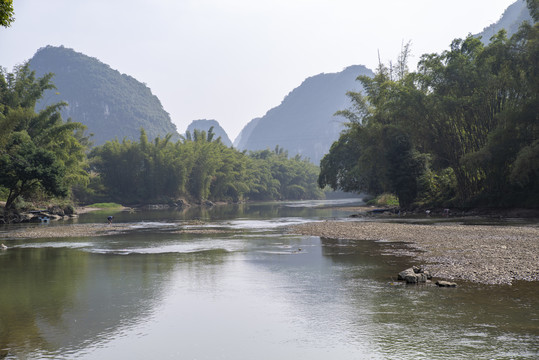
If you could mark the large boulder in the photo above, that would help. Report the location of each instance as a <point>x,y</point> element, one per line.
<point>414,275</point>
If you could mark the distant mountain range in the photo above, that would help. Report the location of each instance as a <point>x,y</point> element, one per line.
<point>205,125</point>
<point>304,122</point>
<point>114,105</point>
<point>111,104</point>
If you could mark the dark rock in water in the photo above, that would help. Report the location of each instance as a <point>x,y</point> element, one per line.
<point>407,272</point>
<point>208,203</point>
<point>442,283</point>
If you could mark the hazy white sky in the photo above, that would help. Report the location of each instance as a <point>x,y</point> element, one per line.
<point>233,60</point>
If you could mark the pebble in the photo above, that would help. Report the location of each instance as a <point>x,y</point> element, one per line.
<point>482,254</point>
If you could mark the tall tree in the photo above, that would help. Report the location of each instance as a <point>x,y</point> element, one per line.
<point>40,152</point>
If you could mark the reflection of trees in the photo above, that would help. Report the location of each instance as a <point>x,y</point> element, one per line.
<point>36,284</point>
<point>53,298</point>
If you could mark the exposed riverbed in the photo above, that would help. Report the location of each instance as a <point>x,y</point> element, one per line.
<point>484,254</point>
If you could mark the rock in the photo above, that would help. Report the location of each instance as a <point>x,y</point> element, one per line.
<point>55,217</point>
<point>414,275</point>
<point>208,203</point>
<point>182,203</point>
<point>156,206</point>
<point>69,210</point>
<point>415,278</point>
<point>56,210</point>
<point>443,283</point>
<point>407,272</point>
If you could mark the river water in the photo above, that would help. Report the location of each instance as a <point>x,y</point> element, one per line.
<point>237,286</point>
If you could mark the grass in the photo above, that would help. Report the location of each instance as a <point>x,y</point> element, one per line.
<point>105,205</point>
<point>385,200</point>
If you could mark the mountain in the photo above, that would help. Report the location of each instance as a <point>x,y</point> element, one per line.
<point>245,133</point>
<point>304,123</point>
<point>511,20</point>
<point>205,125</point>
<point>111,104</point>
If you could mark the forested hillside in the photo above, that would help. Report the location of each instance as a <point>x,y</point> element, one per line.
<point>111,104</point>
<point>304,123</point>
<point>206,125</point>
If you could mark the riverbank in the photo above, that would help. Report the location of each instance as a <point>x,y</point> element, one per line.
<point>481,254</point>
<point>87,230</point>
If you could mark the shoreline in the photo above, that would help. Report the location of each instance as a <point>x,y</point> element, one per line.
<point>485,254</point>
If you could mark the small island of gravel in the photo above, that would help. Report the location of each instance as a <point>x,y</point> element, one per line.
<point>483,254</point>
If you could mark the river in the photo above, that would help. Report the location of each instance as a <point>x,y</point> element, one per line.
<point>237,286</point>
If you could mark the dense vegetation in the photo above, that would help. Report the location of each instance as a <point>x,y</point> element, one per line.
<point>43,156</point>
<point>109,103</point>
<point>463,130</point>
<point>198,168</point>
<point>40,154</point>
<point>206,125</point>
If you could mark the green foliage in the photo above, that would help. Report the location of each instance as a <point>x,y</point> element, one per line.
<point>384,199</point>
<point>26,167</point>
<point>105,205</point>
<point>463,130</point>
<point>6,13</point>
<point>39,152</point>
<point>199,168</point>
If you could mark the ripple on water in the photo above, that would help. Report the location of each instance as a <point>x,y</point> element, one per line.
<point>261,225</point>
<point>152,225</point>
<point>63,244</point>
<point>206,245</point>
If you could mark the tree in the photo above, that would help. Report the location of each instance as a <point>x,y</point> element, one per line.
<point>376,153</point>
<point>40,152</point>
<point>27,168</point>
<point>6,13</point>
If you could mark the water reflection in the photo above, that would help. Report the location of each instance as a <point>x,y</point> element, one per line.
<point>57,300</point>
<point>407,322</point>
<point>245,290</point>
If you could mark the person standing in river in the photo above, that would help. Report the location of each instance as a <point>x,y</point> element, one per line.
<point>110,219</point>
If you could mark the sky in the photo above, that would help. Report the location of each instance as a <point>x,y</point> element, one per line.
<point>233,60</point>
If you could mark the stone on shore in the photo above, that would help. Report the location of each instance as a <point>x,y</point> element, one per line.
<point>443,283</point>
<point>414,275</point>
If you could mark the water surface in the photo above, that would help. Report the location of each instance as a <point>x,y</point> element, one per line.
<point>248,290</point>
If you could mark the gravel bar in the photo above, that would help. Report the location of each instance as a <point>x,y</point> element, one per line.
<point>479,253</point>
